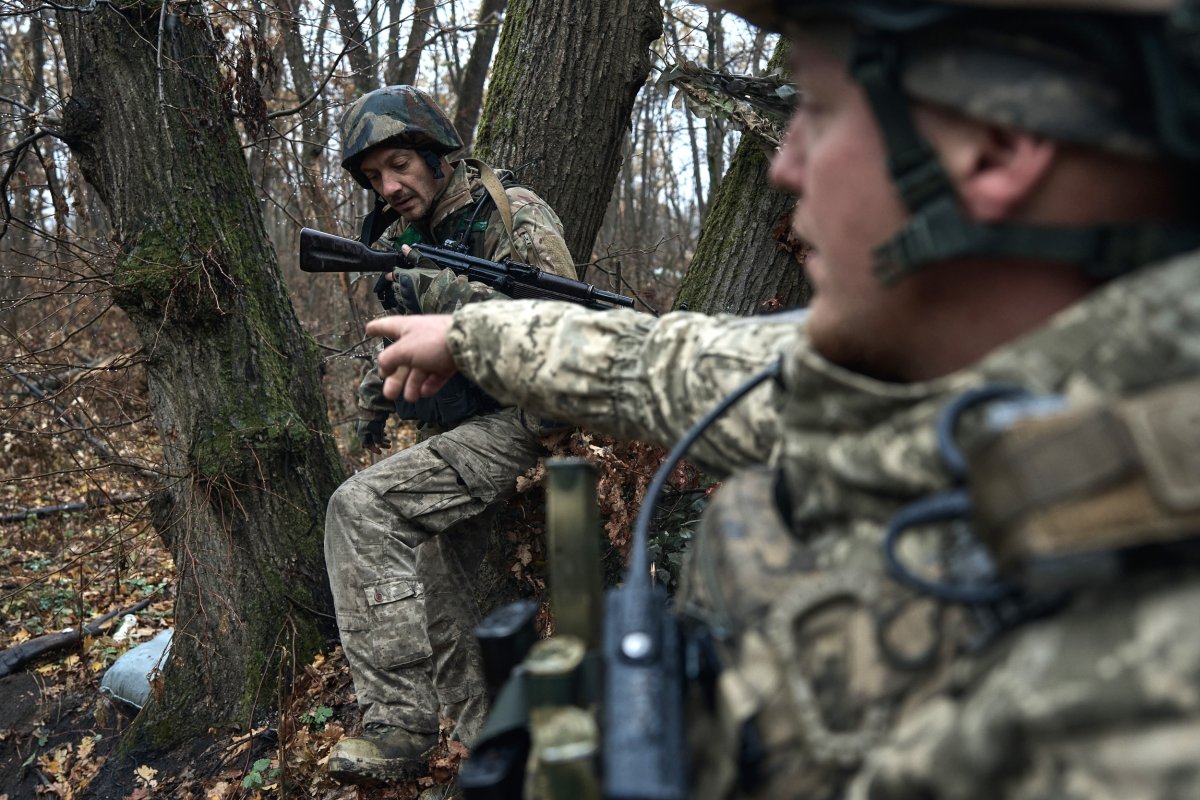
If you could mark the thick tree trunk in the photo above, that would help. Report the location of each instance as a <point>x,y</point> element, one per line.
<point>562,90</point>
<point>470,89</point>
<point>747,261</point>
<point>233,378</point>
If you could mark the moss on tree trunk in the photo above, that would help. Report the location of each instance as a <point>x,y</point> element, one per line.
<point>747,261</point>
<point>562,89</point>
<point>234,383</point>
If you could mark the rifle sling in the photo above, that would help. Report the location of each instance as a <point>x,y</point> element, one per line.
<point>491,182</point>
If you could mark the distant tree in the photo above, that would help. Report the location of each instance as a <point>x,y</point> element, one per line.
<point>353,28</point>
<point>747,260</point>
<point>233,378</point>
<point>410,60</point>
<point>470,89</point>
<point>561,93</point>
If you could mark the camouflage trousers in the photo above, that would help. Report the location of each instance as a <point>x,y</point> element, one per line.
<point>404,604</point>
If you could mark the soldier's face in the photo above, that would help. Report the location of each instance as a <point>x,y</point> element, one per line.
<point>834,162</point>
<point>402,178</point>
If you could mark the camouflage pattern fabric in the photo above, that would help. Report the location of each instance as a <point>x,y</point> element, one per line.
<point>630,374</point>
<point>405,607</point>
<point>537,233</point>
<point>856,686</point>
<point>404,603</point>
<point>537,230</point>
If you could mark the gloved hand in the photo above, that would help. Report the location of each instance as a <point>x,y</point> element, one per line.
<point>372,433</point>
<point>410,282</point>
<point>449,292</point>
<point>405,283</point>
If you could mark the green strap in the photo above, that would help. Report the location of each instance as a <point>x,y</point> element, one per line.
<point>914,166</point>
<point>941,232</point>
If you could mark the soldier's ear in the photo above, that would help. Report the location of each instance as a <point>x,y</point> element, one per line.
<point>995,169</point>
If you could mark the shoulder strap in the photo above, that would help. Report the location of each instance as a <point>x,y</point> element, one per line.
<point>491,182</point>
<point>377,221</point>
<point>1102,477</point>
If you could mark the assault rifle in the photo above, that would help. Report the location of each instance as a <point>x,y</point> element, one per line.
<point>325,252</point>
<point>597,710</point>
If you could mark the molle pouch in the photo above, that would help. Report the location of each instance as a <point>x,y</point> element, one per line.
<point>1093,491</point>
<point>453,403</point>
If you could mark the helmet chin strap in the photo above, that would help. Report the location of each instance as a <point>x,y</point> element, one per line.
<point>938,230</point>
<point>433,160</point>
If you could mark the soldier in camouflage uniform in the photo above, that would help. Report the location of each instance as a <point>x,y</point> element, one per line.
<point>404,605</point>
<point>959,558</point>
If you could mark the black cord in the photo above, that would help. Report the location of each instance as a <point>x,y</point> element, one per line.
<point>639,563</point>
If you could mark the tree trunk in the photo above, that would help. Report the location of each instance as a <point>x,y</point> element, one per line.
<point>422,14</point>
<point>470,90</point>
<point>714,126</point>
<point>354,32</point>
<point>562,91</point>
<point>391,72</point>
<point>317,209</point>
<point>233,378</point>
<point>747,261</point>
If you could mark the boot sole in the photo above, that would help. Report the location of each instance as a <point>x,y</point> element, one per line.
<point>376,772</point>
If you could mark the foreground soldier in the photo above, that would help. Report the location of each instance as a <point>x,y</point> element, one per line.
<point>404,605</point>
<point>998,193</point>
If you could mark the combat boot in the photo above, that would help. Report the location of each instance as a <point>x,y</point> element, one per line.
<point>382,754</point>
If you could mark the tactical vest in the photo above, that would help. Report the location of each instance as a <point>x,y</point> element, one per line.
<point>811,666</point>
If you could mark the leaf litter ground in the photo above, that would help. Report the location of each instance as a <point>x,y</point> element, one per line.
<point>61,570</point>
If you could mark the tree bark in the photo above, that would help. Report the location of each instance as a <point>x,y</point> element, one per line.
<point>561,93</point>
<point>470,89</point>
<point>354,31</point>
<point>714,126</point>
<point>747,261</point>
<point>422,14</point>
<point>391,72</point>
<point>316,201</point>
<point>233,378</point>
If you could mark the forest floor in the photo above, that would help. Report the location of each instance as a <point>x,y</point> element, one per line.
<point>62,569</point>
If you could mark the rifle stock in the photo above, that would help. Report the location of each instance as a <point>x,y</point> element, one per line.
<point>325,252</point>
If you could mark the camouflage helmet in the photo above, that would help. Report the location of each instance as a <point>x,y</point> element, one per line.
<point>1106,73</point>
<point>1119,75</point>
<point>399,116</point>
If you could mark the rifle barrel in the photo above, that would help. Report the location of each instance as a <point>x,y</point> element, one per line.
<point>326,252</point>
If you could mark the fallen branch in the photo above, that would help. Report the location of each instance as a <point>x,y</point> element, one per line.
<point>16,657</point>
<point>62,508</point>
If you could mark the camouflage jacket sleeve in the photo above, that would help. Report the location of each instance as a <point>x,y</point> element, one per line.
<point>370,393</point>
<point>537,233</point>
<point>444,292</point>
<point>629,374</point>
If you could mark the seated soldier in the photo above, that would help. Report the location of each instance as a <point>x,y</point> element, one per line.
<point>405,608</point>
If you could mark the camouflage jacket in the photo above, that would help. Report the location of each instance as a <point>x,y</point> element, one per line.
<point>856,686</point>
<point>537,234</point>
